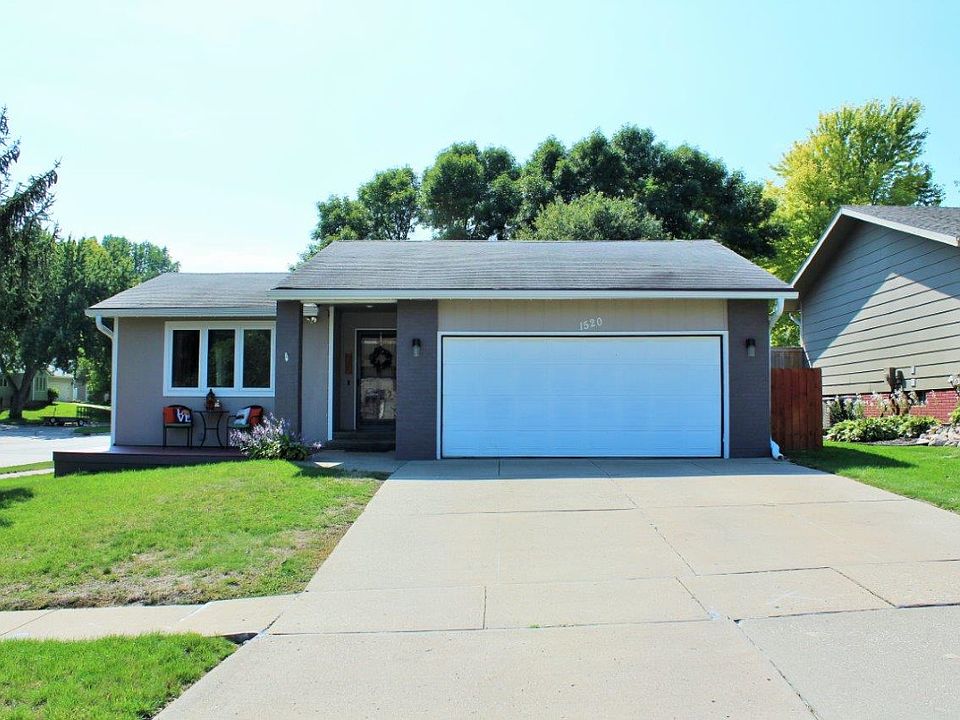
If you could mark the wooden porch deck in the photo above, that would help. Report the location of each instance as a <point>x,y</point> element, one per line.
<point>129,457</point>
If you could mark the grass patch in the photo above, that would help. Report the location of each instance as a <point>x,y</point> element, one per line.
<point>43,465</point>
<point>60,409</point>
<point>170,535</point>
<point>915,471</point>
<point>86,430</point>
<point>116,678</point>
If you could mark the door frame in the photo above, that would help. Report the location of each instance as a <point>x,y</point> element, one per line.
<point>723,335</point>
<point>386,424</point>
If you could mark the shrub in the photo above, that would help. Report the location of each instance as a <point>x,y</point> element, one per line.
<point>890,427</point>
<point>955,416</point>
<point>840,409</point>
<point>270,441</point>
<point>53,394</point>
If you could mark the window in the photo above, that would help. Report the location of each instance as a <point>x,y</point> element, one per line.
<point>186,359</point>
<point>231,358</point>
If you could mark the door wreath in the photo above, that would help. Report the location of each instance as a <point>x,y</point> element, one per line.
<point>381,358</point>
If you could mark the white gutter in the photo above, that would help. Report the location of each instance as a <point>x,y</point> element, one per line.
<point>774,317</point>
<point>111,333</point>
<point>103,328</point>
<point>359,296</point>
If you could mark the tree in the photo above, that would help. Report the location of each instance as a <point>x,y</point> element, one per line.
<point>339,218</point>
<point>23,209</point>
<point>471,193</point>
<point>390,199</point>
<point>866,155</point>
<point>452,190</point>
<point>594,217</point>
<point>109,267</point>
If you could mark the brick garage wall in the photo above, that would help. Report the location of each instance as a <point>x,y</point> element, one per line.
<point>938,403</point>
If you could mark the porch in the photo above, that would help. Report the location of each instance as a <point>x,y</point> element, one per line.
<point>137,457</point>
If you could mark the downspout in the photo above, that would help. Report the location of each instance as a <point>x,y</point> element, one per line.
<point>774,317</point>
<point>110,333</point>
<point>103,328</point>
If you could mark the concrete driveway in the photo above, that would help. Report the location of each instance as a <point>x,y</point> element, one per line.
<point>615,588</point>
<point>22,444</point>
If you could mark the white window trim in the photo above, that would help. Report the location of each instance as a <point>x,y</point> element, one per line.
<point>238,327</point>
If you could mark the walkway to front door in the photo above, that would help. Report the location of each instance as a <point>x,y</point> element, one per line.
<point>615,588</point>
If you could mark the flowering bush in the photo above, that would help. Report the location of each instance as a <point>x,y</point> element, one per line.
<point>890,427</point>
<point>840,409</point>
<point>955,416</point>
<point>270,440</point>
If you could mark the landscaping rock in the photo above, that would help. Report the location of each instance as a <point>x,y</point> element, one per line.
<point>944,435</point>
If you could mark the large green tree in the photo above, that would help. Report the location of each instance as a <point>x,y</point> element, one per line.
<point>858,155</point>
<point>338,218</point>
<point>594,217</point>
<point>390,200</point>
<point>471,193</point>
<point>111,266</point>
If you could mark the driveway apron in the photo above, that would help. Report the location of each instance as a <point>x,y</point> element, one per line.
<point>612,588</point>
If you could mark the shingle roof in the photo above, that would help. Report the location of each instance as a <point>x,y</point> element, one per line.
<point>238,292</point>
<point>477,265</point>
<point>943,220</point>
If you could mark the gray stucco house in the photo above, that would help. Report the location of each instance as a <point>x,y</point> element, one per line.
<point>881,291</point>
<point>467,349</point>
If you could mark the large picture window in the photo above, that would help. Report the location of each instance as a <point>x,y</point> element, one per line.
<point>230,358</point>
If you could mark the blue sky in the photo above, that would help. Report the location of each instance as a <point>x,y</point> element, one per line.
<point>213,128</point>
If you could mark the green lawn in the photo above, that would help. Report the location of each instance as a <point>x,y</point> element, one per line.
<point>170,535</point>
<point>29,466</point>
<point>915,471</point>
<point>109,679</point>
<point>60,409</point>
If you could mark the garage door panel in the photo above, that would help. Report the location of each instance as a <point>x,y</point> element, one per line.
<point>581,396</point>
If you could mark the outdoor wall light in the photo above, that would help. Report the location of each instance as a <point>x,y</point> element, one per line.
<point>416,347</point>
<point>751,347</point>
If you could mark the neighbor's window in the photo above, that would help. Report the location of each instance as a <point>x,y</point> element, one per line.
<point>256,358</point>
<point>222,356</point>
<point>186,359</point>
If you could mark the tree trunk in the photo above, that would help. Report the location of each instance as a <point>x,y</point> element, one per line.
<point>21,394</point>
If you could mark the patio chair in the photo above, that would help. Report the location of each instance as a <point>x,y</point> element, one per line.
<point>245,419</point>
<point>178,417</point>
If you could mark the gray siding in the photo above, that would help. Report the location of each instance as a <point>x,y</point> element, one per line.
<point>315,377</point>
<point>566,315</point>
<point>417,380</point>
<point>140,400</point>
<point>887,299</point>
<point>287,362</point>
<point>749,378</point>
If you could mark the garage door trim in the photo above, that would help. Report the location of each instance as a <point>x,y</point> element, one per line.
<point>723,336</point>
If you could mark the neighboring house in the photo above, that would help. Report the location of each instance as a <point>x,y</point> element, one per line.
<point>64,383</point>
<point>881,292</point>
<point>466,349</point>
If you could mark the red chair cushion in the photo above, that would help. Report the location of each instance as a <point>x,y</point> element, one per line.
<point>177,415</point>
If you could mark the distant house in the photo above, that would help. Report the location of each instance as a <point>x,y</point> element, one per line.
<point>66,385</point>
<point>466,349</point>
<point>880,302</point>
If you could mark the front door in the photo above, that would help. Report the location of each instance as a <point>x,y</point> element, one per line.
<point>376,379</point>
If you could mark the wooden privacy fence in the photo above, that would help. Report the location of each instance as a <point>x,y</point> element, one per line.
<point>796,406</point>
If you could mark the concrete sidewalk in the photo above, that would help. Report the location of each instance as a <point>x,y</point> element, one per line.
<point>229,618</point>
<point>614,588</point>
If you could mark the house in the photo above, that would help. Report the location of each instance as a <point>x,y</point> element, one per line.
<point>465,348</point>
<point>66,386</point>
<point>880,303</point>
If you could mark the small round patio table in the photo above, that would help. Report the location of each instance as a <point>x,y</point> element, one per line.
<point>212,420</point>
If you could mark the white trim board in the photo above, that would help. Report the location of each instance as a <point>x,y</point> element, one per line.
<point>379,296</point>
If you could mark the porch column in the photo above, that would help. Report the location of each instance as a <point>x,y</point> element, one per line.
<point>287,363</point>
<point>417,380</point>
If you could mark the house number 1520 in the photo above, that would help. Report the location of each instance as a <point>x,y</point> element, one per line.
<point>591,324</point>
